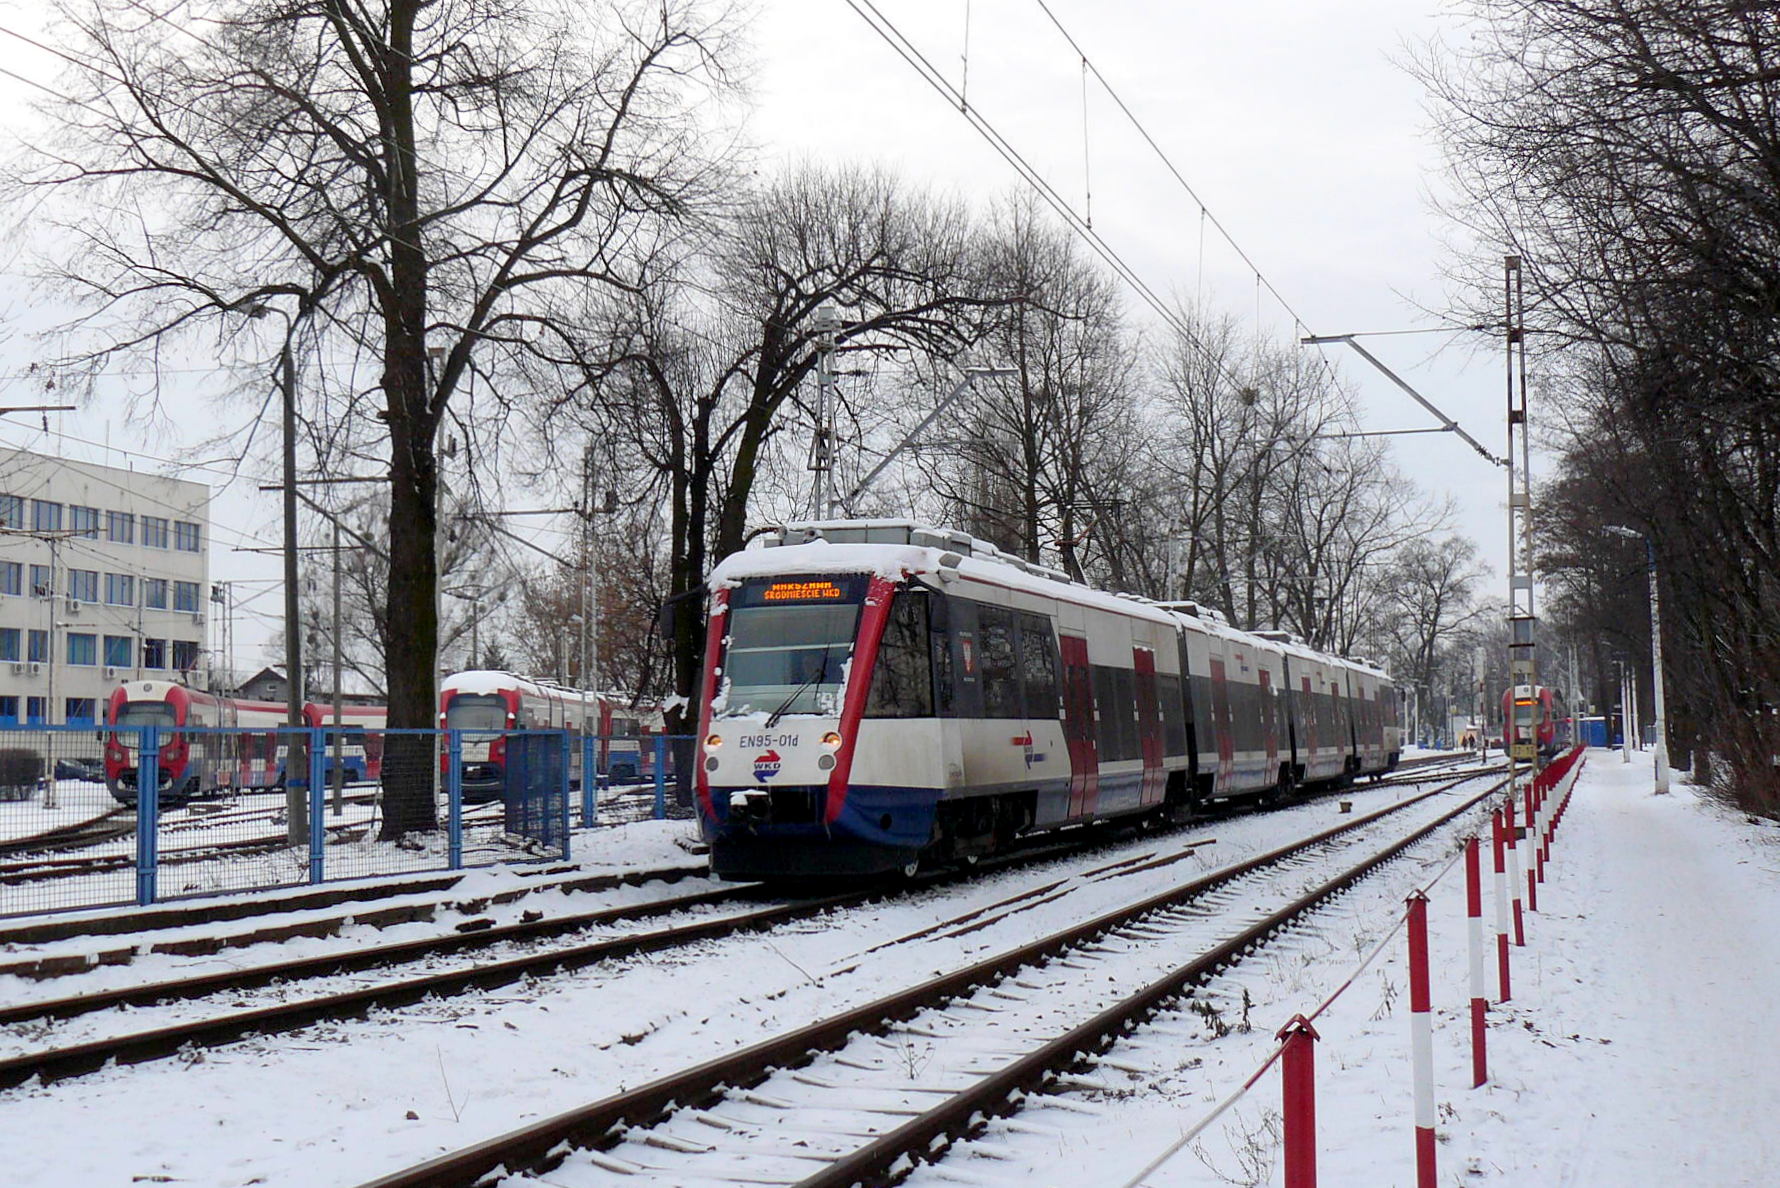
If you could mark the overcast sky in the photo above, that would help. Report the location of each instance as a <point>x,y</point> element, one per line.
<point>1291,120</point>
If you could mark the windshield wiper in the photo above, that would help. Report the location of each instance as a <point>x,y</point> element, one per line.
<point>772,719</point>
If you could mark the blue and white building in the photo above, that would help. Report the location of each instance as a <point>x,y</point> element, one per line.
<point>104,577</point>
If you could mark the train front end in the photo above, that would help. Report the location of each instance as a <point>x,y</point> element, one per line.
<point>134,706</point>
<point>482,707</point>
<point>813,759</point>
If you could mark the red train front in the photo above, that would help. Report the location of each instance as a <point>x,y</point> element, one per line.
<point>1532,712</point>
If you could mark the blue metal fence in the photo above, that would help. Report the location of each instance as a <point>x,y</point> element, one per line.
<point>93,816</point>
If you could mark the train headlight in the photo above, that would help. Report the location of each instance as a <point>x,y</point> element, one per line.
<point>712,742</point>
<point>831,740</point>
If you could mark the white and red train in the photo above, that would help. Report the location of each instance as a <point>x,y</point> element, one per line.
<point>485,705</point>
<point>1535,713</point>
<point>877,694</point>
<point>249,755</point>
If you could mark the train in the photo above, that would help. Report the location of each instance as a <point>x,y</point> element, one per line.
<point>879,695</point>
<point>487,704</point>
<point>1535,712</point>
<point>251,756</point>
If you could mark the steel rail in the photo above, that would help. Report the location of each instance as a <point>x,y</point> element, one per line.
<point>75,1060</point>
<point>541,1146</point>
<point>924,1136</point>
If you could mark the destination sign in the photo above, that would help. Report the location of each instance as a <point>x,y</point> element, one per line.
<point>817,591</point>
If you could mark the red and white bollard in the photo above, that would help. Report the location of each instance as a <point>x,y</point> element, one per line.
<point>1298,1079</point>
<point>1532,850</point>
<point>1520,928</point>
<point>1498,846</point>
<point>1421,1040</point>
<point>1479,973</point>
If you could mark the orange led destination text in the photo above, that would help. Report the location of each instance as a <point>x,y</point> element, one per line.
<point>800,591</point>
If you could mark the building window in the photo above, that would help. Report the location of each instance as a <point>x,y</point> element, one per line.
<point>83,585</point>
<point>120,527</point>
<point>154,593</point>
<point>83,648</point>
<point>9,711</point>
<point>78,711</point>
<point>9,643</point>
<point>84,520</point>
<point>185,536</point>
<point>12,577</point>
<point>154,532</point>
<point>46,516</point>
<point>185,655</point>
<point>154,653</point>
<point>12,511</point>
<point>41,586</point>
<point>120,589</point>
<point>117,651</point>
<point>185,596</point>
<point>37,645</point>
<point>34,710</point>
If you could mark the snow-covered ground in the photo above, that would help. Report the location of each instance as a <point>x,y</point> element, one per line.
<point>77,801</point>
<point>1634,1052</point>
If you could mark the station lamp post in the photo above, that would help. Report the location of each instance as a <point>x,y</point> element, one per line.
<point>1656,652</point>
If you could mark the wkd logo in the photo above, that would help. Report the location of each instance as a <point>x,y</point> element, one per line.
<point>766,766</point>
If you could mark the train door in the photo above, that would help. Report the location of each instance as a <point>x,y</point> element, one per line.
<point>1310,716</point>
<point>1149,726</point>
<point>1078,726</point>
<point>1269,720</point>
<point>1223,724</point>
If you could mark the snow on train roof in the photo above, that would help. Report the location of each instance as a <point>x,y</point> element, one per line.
<point>888,549</point>
<point>892,562</point>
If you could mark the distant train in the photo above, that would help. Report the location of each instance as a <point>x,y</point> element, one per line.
<point>194,764</point>
<point>487,704</point>
<point>877,695</point>
<point>1535,712</point>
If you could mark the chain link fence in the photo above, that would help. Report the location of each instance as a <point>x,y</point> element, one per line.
<point>245,809</point>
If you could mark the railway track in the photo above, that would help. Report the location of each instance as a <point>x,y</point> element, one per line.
<point>77,1058</point>
<point>838,1102</point>
<point>118,823</point>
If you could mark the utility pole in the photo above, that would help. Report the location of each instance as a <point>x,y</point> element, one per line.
<point>827,326</point>
<point>296,802</point>
<point>590,644</point>
<point>1522,670</point>
<point>339,799</point>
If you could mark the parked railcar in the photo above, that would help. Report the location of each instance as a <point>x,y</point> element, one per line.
<point>878,694</point>
<point>486,705</point>
<point>355,738</point>
<point>191,763</point>
<point>250,756</point>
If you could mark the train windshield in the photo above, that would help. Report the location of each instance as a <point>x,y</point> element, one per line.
<point>146,713</point>
<point>476,711</point>
<point>789,643</point>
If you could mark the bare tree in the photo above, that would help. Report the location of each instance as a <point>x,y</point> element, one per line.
<point>700,374</point>
<point>1032,460</point>
<point>435,183</point>
<point>1627,150</point>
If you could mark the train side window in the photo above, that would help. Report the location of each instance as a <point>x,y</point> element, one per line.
<point>998,662</point>
<point>1038,666</point>
<point>901,680</point>
<point>957,671</point>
